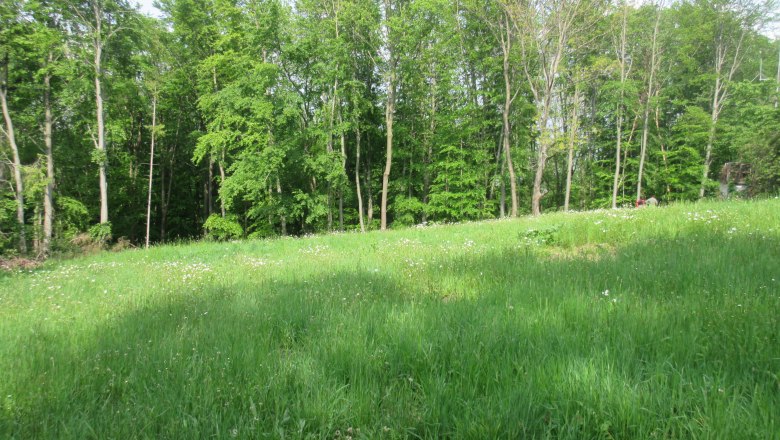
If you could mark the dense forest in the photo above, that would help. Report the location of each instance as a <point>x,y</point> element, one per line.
<point>257,118</point>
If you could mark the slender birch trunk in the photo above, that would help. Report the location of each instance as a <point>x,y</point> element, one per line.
<point>506,46</point>
<point>282,217</point>
<point>389,114</point>
<point>221,165</point>
<point>17,165</point>
<point>719,95</point>
<point>650,93</point>
<point>357,179</point>
<point>210,186</point>
<point>151,169</point>
<point>344,169</point>
<point>618,146</point>
<point>48,196</point>
<point>428,160</point>
<point>573,128</point>
<point>99,113</point>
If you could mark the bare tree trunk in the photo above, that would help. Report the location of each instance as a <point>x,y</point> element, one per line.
<point>165,193</point>
<point>163,204</point>
<point>389,114</point>
<point>330,207</point>
<point>716,106</point>
<point>650,92</point>
<point>151,169</point>
<point>344,170</point>
<point>574,127</point>
<point>546,29</point>
<point>221,165</point>
<point>48,196</point>
<point>617,157</point>
<point>708,154</point>
<point>544,146</point>
<point>643,150</point>
<point>357,178</point>
<point>101,128</point>
<point>37,238</point>
<point>663,147</point>
<point>210,184</point>
<point>369,190</point>
<point>720,94</point>
<point>502,194</point>
<point>9,132</point>
<point>428,159</point>
<point>282,217</point>
<point>622,61</point>
<point>330,146</point>
<point>506,46</point>
<point>777,79</point>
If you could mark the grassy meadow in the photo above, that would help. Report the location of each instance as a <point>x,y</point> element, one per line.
<point>628,324</point>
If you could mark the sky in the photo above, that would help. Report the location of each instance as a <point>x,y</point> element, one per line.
<point>772,30</point>
<point>147,8</point>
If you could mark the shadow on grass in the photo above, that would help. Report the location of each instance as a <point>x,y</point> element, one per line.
<point>669,339</point>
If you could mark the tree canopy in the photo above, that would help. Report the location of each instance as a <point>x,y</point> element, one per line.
<point>274,117</point>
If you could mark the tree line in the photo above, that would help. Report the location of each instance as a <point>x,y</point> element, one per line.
<point>256,118</point>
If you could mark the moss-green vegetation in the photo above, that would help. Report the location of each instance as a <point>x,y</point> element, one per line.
<point>654,323</point>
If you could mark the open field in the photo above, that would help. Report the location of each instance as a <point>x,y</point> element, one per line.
<point>627,324</point>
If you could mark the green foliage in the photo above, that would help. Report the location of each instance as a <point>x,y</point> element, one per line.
<point>100,233</point>
<point>72,217</point>
<point>407,211</point>
<point>764,158</point>
<point>542,236</point>
<point>221,228</point>
<point>457,192</point>
<point>258,105</point>
<point>7,223</point>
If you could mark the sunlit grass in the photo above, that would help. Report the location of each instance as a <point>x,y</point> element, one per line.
<point>654,323</point>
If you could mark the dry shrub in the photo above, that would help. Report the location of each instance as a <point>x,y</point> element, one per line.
<point>121,244</point>
<point>86,244</point>
<point>18,263</point>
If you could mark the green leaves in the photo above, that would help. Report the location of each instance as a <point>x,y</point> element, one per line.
<point>221,229</point>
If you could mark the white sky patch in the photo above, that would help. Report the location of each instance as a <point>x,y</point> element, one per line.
<point>146,7</point>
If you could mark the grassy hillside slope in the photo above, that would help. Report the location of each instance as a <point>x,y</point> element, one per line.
<point>653,323</point>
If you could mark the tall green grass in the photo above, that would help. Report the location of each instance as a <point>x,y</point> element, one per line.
<point>630,324</point>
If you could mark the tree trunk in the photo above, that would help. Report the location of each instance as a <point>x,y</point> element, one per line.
<point>151,169</point>
<point>163,204</point>
<point>719,96</point>
<point>101,129</point>
<point>389,114</point>
<point>716,103</point>
<point>650,92</point>
<point>622,61</point>
<point>369,190</point>
<point>574,127</point>
<point>48,195</point>
<point>777,80</point>
<point>357,178</point>
<point>428,159</point>
<point>16,162</point>
<point>210,184</point>
<point>643,151</point>
<point>221,166</point>
<point>344,170</point>
<point>536,198</point>
<point>282,217</point>
<point>617,157</point>
<point>708,154</point>
<point>506,47</point>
